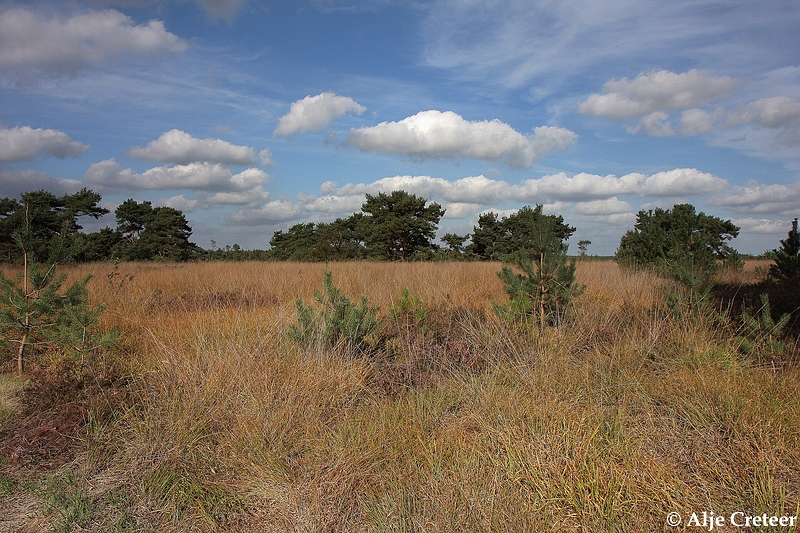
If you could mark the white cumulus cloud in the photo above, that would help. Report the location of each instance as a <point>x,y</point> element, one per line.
<point>437,134</point>
<point>775,112</point>
<point>608,206</point>
<point>757,198</point>
<point>60,45</point>
<point>13,182</point>
<point>582,187</point>
<point>313,113</point>
<point>656,91</point>
<point>762,225</point>
<point>194,176</point>
<point>25,144</point>
<point>586,187</point>
<point>272,212</point>
<point>178,147</point>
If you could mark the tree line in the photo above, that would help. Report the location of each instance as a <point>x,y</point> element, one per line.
<point>401,226</point>
<point>46,227</point>
<point>396,226</point>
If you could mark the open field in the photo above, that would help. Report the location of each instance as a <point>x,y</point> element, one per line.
<point>207,418</point>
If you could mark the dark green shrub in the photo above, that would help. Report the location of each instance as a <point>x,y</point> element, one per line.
<point>787,257</point>
<point>761,334</point>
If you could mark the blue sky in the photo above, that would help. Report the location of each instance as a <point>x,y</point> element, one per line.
<point>251,116</point>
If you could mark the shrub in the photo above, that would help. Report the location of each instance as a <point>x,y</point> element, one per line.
<point>662,235</point>
<point>787,258</point>
<point>762,334</point>
<point>408,311</point>
<point>338,320</point>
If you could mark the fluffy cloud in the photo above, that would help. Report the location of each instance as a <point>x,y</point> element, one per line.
<point>762,225</point>
<point>656,91</point>
<point>473,189</point>
<point>13,182</point>
<point>178,147</point>
<point>776,112</point>
<point>608,206</point>
<point>698,121</point>
<point>65,46</point>
<point>252,197</point>
<point>756,198</point>
<point>194,176</point>
<point>586,187</point>
<point>436,134</point>
<point>25,144</point>
<point>554,187</point>
<point>313,113</point>
<point>273,212</point>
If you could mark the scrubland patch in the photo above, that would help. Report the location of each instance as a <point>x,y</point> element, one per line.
<point>456,422</point>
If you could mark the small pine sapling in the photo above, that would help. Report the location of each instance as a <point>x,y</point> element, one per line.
<point>544,290</point>
<point>338,320</point>
<point>34,313</point>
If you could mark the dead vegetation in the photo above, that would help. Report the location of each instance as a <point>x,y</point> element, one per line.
<point>209,418</point>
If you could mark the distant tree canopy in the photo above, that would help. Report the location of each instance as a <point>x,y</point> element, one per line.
<point>528,229</point>
<point>400,226</point>
<point>679,234</point>
<point>46,228</point>
<point>42,224</point>
<point>396,227</point>
<point>149,232</point>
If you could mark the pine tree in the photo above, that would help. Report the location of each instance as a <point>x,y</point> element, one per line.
<point>787,258</point>
<point>547,285</point>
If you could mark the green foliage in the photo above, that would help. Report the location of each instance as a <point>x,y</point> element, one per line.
<point>337,321</point>
<point>335,241</point>
<point>34,313</point>
<point>762,334</point>
<point>455,244</point>
<point>733,262</point>
<point>694,287</point>
<point>546,287</point>
<point>663,236</point>
<point>66,498</point>
<point>787,257</point>
<point>399,225</point>
<point>148,232</point>
<point>42,225</point>
<point>396,226</point>
<point>408,311</point>
<point>501,239</point>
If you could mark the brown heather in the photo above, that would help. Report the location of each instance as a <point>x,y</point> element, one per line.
<point>607,423</point>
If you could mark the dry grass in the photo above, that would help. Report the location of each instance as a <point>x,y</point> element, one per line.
<point>604,424</point>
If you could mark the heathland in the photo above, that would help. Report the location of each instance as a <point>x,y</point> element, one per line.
<point>207,416</point>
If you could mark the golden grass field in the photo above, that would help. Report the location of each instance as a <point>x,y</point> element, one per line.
<point>606,423</point>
